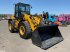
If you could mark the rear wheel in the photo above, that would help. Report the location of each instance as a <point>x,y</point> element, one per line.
<point>11,26</point>
<point>24,30</point>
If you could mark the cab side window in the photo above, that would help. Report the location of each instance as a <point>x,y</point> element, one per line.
<point>16,11</point>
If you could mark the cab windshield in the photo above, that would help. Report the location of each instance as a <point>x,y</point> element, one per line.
<point>25,9</point>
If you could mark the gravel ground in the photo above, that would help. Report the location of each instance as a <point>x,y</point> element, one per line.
<point>11,42</point>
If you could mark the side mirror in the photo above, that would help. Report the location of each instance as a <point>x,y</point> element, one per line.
<point>31,6</point>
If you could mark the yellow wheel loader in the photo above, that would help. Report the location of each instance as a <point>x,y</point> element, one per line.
<point>32,26</point>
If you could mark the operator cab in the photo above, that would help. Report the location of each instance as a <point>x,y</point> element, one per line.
<point>21,8</point>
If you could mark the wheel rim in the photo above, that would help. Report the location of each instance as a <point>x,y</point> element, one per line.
<point>22,30</point>
<point>10,26</point>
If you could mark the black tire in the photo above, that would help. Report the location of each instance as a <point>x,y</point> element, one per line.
<point>27,33</point>
<point>10,22</point>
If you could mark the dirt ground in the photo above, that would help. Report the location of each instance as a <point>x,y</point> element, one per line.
<point>11,42</point>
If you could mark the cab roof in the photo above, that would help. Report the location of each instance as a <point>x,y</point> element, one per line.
<point>22,4</point>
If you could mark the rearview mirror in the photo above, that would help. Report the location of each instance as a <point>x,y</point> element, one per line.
<point>31,6</point>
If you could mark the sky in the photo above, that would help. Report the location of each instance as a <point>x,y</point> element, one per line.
<point>38,6</point>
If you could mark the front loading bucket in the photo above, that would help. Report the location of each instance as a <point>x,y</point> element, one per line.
<point>46,36</point>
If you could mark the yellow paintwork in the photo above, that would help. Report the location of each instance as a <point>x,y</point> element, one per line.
<point>12,17</point>
<point>16,23</point>
<point>34,21</point>
<point>10,27</point>
<point>22,32</point>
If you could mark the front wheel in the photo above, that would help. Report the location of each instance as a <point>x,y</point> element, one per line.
<point>24,30</point>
